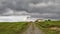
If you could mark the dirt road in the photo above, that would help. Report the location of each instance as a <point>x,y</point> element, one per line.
<point>33,30</point>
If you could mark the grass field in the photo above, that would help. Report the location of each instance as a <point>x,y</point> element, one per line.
<point>12,27</point>
<point>49,27</point>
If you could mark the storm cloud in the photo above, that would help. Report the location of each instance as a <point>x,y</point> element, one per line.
<point>34,8</point>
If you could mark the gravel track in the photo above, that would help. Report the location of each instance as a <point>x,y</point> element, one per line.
<point>33,30</point>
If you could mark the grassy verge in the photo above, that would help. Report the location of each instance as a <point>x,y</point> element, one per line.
<point>47,25</point>
<point>12,27</point>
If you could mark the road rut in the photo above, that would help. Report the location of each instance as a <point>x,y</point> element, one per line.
<point>33,30</point>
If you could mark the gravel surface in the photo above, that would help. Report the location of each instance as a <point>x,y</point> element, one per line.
<point>33,30</point>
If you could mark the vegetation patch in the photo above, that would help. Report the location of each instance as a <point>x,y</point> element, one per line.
<point>12,27</point>
<point>49,27</point>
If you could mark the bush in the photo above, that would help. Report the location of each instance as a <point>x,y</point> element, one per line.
<point>49,20</point>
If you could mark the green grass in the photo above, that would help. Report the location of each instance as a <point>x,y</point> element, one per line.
<point>47,24</point>
<point>12,27</point>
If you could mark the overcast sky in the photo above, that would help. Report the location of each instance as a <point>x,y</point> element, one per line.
<point>34,8</point>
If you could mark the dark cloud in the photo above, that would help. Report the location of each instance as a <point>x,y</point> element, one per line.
<point>32,6</point>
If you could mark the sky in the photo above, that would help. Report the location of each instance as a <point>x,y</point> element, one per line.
<point>47,9</point>
<point>13,18</point>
